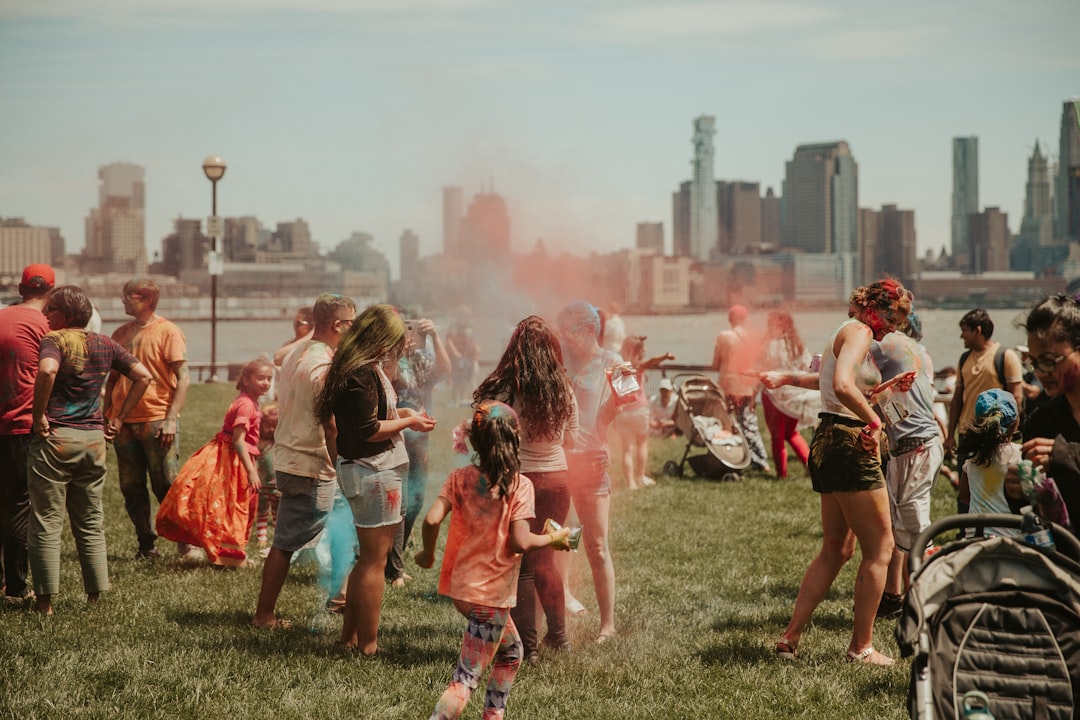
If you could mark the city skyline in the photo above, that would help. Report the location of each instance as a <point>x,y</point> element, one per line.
<point>355,115</point>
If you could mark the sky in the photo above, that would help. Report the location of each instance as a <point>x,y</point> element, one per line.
<point>353,114</point>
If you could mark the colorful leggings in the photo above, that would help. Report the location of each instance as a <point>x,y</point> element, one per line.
<point>490,637</point>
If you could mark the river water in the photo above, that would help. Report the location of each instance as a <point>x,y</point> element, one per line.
<point>689,337</point>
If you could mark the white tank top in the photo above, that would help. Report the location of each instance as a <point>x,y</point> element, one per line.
<point>867,377</point>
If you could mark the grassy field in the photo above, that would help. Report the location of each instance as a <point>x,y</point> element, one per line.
<point>707,575</point>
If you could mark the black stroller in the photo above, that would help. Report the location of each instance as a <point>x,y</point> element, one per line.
<point>702,417</point>
<point>995,615</point>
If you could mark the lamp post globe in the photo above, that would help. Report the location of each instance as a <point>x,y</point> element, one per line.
<point>214,167</point>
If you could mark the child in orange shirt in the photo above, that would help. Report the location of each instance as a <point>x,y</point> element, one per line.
<point>488,533</point>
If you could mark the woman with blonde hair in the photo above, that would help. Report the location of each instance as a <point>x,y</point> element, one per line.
<point>845,469</point>
<point>363,427</point>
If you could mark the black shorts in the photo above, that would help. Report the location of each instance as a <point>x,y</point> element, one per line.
<point>838,462</point>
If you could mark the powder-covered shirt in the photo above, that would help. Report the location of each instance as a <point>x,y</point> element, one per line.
<point>478,566</point>
<point>591,389</point>
<point>243,412</point>
<point>75,401</point>
<point>896,354</point>
<point>867,376</point>
<point>21,330</point>
<point>987,483</point>
<point>158,345</point>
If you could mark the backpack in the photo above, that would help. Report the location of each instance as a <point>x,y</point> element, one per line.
<point>999,363</point>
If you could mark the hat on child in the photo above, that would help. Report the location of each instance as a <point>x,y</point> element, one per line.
<point>997,401</point>
<point>665,384</point>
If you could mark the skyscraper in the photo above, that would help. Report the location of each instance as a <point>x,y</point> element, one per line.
<point>821,199</point>
<point>740,217</point>
<point>116,229</point>
<point>704,220</point>
<point>1067,196</point>
<point>650,236</point>
<point>990,241</point>
<point>965,197</point>
<point>485,229</point>
<point>680,220</point>
<point>452,208</point>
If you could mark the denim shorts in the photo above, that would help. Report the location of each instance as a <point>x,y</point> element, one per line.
<point>302,510</point>
<point>838,462</point>
<point>374,495</point>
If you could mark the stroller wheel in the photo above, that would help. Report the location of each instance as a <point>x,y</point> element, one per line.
<point>730,477</point>
<point>672,469</point>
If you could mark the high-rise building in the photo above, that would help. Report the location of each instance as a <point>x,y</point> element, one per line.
<point>965,197</point>
<point>244,238</point>
<point>680,220</point>
<point>821,199</point>
<point>989,241</point>
<point>293,239</point>
<point>20,245</point>
<point>770,221</point>
<point>650,236</point>
<point>409,258</point>
<point>1067,196</point>
<point>186,248</point>
<point>897,243</point>
<point>819,212</point>
<point>1036,248</point>
<point>452,210</point>
<point>704,221</point>
<point>116,229</point>
<point>485,229</point>
<point>870,264</point>
<point>739,206</point>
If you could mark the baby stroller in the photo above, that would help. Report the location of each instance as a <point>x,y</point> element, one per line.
<point>702,417</point>
<point>993,615</point>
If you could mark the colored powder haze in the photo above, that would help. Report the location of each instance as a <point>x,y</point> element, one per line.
<point>352,114</point>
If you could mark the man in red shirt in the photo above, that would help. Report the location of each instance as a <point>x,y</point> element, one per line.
<point>21,328</point>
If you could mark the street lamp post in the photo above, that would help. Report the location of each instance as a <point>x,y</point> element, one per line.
<point>214,167</point>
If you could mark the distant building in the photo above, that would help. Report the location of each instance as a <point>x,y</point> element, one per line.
<point>292,240</point>
<point>965,197</point>
<point>405,290</point>
<point>820,207</point>
<point>871,261</point>
<point>485,229</point>
<point>770,221</point>
<point>989,241</point>
<point>995,289</point>
<point>452,212</point>
<point>650,236</point>
<point>1036,247</point>
<point>186,248</point>
<point>116,229</point>
<point>680,220</point>
<point>1067,196</point>
<point>244,239</point>
<point>20,245</point>
<point>897,236</point>
<point>704,220</point>
<point>739,205</point>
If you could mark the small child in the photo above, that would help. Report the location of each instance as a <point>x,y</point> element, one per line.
<point>268,492</point>
<point>492,505</point>
<point>212,502</point>
<point>990,451</point>
<point>632,418</point>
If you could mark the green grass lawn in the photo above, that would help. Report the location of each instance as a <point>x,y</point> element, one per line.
<point>707,574</point>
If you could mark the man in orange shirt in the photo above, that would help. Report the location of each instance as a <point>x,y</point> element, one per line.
<point>147,442</point>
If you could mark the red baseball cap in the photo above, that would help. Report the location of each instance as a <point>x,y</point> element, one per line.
<point>38,277</point>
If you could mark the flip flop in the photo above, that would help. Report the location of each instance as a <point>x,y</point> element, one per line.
<point>786,650</point>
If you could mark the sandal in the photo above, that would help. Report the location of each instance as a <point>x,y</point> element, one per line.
<point>786,650</point>
<point>869,656</point>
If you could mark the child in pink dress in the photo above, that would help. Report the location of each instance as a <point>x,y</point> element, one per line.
<point>212,503</point>
<point>489,529</point>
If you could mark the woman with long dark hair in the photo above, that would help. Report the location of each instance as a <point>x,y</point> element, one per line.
<point>530,378</point>
<point>357,408</point>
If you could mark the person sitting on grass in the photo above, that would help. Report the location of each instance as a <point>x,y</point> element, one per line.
<point>491,505</point>
<point>66,458</point>
<point>212,503</point>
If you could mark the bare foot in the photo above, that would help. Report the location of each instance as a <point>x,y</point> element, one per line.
<point>273,623</point>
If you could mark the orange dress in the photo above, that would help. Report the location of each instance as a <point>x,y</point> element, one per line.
<point>210,504</point>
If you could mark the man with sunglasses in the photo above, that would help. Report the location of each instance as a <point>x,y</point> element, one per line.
<point>147,441</point>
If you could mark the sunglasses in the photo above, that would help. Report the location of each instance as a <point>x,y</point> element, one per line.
<point>1046,364</point>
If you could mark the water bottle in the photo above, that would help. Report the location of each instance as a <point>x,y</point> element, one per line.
<point>976,706</point>
<point>1026,471</point>
<point>1034,531</point>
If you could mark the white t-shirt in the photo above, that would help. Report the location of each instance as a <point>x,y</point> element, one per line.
<point>987,484</point>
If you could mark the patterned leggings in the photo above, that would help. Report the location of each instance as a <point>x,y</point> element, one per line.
<point>744,413</point>
<point>490,637</point>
